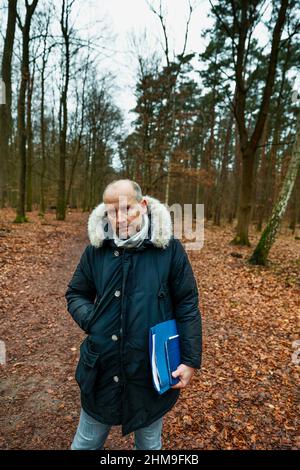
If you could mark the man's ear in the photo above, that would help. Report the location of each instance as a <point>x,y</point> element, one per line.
<point>144,205</point>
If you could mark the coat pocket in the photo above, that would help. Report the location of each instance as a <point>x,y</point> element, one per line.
<point>95,313</point>
<point>137,365</point>
<point>164,302</point>
<point>87,367</point>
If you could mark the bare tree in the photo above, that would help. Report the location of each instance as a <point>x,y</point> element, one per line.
<point>5,109</point>
<point>174,70</point>
<point>22,129</point>
<point>79,123</point>
<point>46,49</point>
<point>63,114</point>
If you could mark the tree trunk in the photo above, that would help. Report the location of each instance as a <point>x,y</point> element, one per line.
<point>237,177</point>
<point>249,144</point>
<point>223,176</point>
<point>263,174</point>
<point>295,210</point>
<point>61,196</point>
<point>5,108</point>
<point>22,130</point>
<point>30,145</point>
<point>246,192</point>
<point>42,119</point>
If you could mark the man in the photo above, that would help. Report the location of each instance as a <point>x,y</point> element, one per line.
<point>133,275</point>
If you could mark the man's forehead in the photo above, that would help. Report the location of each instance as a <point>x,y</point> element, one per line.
<point>120,201</point>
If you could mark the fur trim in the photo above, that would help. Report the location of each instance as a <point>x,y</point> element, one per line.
<point>161,223</point>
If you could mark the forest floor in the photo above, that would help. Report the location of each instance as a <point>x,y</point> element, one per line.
<point>246,394</point>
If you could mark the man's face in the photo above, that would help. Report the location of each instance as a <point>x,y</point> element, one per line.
<point>125,213</point>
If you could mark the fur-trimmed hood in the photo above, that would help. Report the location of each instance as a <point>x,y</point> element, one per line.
<point>160,223</point>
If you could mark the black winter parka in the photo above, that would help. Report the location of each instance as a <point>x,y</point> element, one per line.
<point>115,296</point>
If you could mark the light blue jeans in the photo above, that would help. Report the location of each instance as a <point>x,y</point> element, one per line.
<point>91,435</point>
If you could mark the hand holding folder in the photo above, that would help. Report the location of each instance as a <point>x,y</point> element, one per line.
<point>164,350</point>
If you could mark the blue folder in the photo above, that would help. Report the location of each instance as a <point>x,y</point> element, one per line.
<point>164,350</point>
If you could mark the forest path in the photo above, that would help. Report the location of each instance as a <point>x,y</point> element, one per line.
<point>245,395</point>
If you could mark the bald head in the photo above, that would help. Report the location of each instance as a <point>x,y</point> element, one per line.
<point>122,187</point>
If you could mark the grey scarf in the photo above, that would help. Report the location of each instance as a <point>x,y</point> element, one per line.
<point>137,238</point>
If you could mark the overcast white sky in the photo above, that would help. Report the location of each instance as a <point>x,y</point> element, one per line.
<point>126,16</point>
